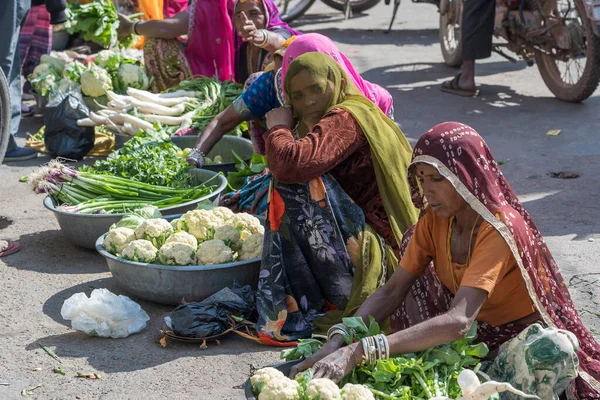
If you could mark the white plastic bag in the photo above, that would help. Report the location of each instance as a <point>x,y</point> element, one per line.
<point>104,314</point>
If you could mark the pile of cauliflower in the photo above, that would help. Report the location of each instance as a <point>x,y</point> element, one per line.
<point>270,384</point>
<point>199,237</point>
<point>109,71</point>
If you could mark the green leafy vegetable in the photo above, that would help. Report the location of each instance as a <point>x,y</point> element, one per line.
<point>257,166</point>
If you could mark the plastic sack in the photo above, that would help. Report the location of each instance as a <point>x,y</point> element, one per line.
<point>104,314</point>
<point>63,137</point>
<point>209,317</point>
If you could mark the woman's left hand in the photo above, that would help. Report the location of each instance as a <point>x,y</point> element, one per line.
<point>338,364</point>
<point>280,116</point>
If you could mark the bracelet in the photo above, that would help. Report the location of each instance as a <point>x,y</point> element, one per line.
<point>337,329</point>
<point>197,156</point>
<point>266,37</point>
<point>375,348</point>
<point>135,24</point>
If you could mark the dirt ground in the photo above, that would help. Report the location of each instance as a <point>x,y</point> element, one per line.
<point>513,113</point>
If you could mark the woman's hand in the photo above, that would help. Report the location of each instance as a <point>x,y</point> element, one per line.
<point>339,364</point>
<point>330,347</point>
<point>250,33</point>
<point>125,26</point>
<point>280,116</point>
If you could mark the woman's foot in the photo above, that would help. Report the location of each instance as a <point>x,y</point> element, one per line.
<point>458,87</point>
<point>8,248</point>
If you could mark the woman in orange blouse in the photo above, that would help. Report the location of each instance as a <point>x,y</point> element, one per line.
<point>490,264</point>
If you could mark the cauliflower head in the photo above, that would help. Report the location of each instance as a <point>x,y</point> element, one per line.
<point>175,253</point>
<point>131,75</point>
<point>323,389</point>
<point>356,392</point>
<point>117,239</point>
<point>247,224</point>
<point>109,60</point>
<point>199,223</point>
<point>44,84</point>
<point>252,247</point>
<point>224,213</point>
<point>155,230</point>
<point>264,376</point>
<point>183,237</point>
<point>54,63</point>
<point>41,69</point>
<point>95,82</point>
<point>230,236</point>
<point>140,250</point>
<point>214,252</point>
<point>280,389</point>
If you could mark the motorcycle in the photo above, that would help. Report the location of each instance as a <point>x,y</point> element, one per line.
<point>4,115</point>
<point>561,36</point>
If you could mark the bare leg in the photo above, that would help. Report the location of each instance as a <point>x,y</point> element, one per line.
<point>467,77</point>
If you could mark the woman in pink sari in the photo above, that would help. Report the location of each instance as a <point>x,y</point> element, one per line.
<point>490,265</point>
<point>226,39</point>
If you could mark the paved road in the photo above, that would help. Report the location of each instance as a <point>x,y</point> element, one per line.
<point>513,113</point>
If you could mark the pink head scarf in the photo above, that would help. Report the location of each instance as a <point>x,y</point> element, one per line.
<point>314,42</point>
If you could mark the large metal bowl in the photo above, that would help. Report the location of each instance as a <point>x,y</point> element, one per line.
<point>166,284</point>
<point>83,230</point>
<point>242,147</point>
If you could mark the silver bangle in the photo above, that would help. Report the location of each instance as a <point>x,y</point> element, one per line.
<point>197,156</point>
<point>337,329</point>
<point>266,37</point>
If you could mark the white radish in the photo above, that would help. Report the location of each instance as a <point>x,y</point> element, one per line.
<point>137,122</point>
<point>180,93</point>
<point>151,97</point>
<point>171,121</point>
<point>122,100</point>
<point>473,390</point>
<point>98,119</point>
<point>86,122</point>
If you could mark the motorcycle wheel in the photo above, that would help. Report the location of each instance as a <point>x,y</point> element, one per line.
<point>290,10</point>
<point>5,115</point>
<point>356,5</point>
<point>558,75</point>
<point>449,34</point>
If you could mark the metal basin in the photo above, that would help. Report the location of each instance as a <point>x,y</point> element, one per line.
<point>166,284</point>
<point>242,147</point>
<point>83,230</point>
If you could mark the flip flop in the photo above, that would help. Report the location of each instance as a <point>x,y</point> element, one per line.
<point>12,248</point>
<point>452,87</point>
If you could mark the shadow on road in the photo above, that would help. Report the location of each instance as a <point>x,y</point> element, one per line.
<point>51,253</point>
<point>136,352</point>
<point>408,37</point>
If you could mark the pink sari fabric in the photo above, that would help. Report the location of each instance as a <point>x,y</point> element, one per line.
<point>211,48</point>
<point>172,7</point>
<point>314,42</point>
<point>461,156</point>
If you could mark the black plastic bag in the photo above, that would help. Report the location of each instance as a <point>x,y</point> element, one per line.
<point>209,317</point>
<point>63,138</point>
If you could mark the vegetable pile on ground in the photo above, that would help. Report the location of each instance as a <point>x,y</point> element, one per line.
<point>149,157</point>
<point>186,109</point>
<point>440,373</point>
<point>92,193</point>
<point>109,71</point>
<point>98,21</point>
<point>199,237</point>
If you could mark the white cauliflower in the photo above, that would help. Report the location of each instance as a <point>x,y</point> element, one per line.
<point>44,84</point>
<point>252,247</point>
<point>117,239</point>
<point>54,63</point>
<point>323,389</point>
<point>214,252</point>
<point>280,389</point>
<point>131,75</point>
<point>224,213</point>
<point>109,60</point>
<point>183,237</point>
<point>356,392</point>
<point>199,223</point>
<point>229,235</point>
<point>41,69</point>
<point>247,224</point>
<point>156,230</point>
<point>95,82</point>
<point>140,251</point>
<point>176,253</point>
<point>264,376</point>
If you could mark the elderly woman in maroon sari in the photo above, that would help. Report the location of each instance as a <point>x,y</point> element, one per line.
<point>474,255</point>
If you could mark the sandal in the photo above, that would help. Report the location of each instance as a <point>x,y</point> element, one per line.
<point>454,88</point>
<point>11,248</point>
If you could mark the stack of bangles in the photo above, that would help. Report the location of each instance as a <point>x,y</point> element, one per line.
<point>374,347</point>
<point>197,157</point>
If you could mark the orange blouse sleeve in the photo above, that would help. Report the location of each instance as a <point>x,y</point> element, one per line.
<point>421,248</point>
<point>490,262</point>
<point>333,140</point>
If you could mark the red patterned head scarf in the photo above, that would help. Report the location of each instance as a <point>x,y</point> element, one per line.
<point>463,157</point>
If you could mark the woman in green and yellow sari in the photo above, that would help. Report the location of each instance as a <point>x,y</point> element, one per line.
<point>338,206</point>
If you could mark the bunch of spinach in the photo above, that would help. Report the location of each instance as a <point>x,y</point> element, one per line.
<point>257,165</point>
<point>98,21</point>
<point>149,157</point>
